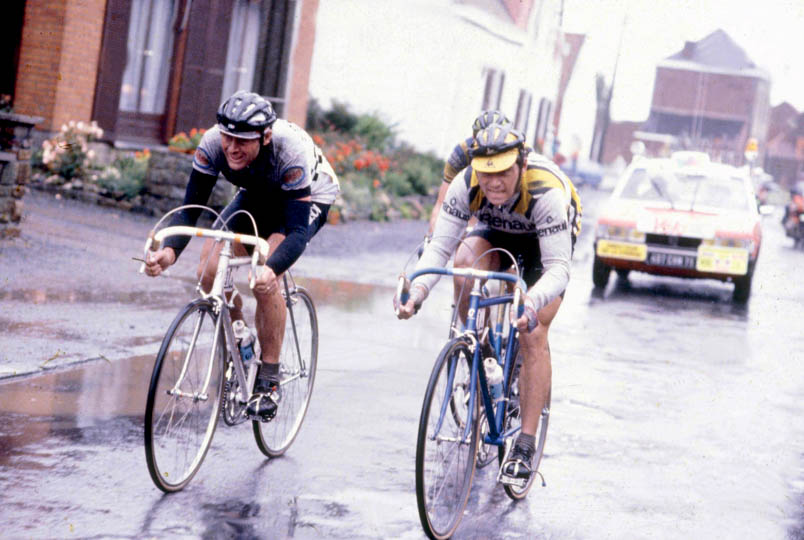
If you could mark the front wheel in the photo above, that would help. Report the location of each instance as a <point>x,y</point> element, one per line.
<point>742,288</point>
<point>513,420</point>
<point>446,449</point>
<point>184,396</point>
<point>298,360</point>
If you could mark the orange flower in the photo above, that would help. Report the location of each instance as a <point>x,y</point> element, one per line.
<point>318,140</point>
<point>193,132</point>
<point>376,183</point>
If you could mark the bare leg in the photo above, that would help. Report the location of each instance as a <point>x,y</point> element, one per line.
<point>270,316</point>
<point>465,257</point>
<point>536,374</point>
<point>207,267</point>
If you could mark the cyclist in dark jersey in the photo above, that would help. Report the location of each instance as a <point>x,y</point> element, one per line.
<point>525,204</point>
<point>288,186</point>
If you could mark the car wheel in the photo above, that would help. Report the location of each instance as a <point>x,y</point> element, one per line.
<point>600,273</point>
<point>742,288</point>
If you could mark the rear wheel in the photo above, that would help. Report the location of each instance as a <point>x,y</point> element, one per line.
<point>184,396</point>
<point>513,420</point>
<point>600,273</point>
<point>446,449</point>
<point>298,360</point>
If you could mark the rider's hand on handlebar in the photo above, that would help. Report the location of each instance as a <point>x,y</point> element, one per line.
<point>408,310</point>
<point>157,261</point>
<point>266,280</point>
<point>529,319</point>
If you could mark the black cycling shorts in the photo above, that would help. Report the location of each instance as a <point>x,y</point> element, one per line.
<point>269,217</point>
<point>524,248</point>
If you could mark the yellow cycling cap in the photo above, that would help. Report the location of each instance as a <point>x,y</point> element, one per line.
<point>497,163</point>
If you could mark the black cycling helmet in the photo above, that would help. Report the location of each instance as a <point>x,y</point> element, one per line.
<point>496,148</point>
<point>245,115</point>
<point>486,118</point>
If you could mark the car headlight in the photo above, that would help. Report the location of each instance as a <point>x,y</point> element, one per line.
<point>619,232</point>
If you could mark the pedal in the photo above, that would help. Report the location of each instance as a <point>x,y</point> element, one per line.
<point>509,481</point>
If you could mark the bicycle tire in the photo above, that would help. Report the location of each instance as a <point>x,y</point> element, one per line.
<point>301,327</point>
<point>440,517</point>
<point>513,418</point>
<point>179,427</point>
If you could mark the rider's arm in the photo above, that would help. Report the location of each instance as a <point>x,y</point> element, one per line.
<point>451,223</point>
<point>198,191</point>
<point>297,219</point>
<point>555,244</point>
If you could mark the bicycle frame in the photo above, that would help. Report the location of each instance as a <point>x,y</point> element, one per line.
<point>496,335</point>
<point>222,284</point>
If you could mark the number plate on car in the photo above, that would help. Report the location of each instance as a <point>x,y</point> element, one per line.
<point>671,259</point>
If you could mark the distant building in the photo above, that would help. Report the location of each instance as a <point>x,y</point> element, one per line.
<point>429,66</point>
<point>784,157</point>
<point>147,69</point>
<point>709,96</point>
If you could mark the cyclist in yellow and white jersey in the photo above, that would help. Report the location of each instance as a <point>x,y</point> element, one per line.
<point>525,204</point>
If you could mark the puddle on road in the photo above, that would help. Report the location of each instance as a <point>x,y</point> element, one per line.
<point>35,408</point>
<point>149,297</point>
<point>54,404</point>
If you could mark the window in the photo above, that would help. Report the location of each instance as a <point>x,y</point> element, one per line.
<point>542,122</point>
<point>241,52</point>
<point>523,111</point>
<point>149,48</point>
<point>492,94</point>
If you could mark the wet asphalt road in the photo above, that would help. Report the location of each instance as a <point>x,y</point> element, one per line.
<point>676,414</point>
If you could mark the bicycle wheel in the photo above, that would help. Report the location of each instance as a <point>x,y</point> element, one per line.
<point>513,419</point>
<point>184,397</point>
<point>445,455</point>
<point>298,360</point>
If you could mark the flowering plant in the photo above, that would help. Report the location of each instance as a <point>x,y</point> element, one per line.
<point>125,177</point>
<point>182,142</point>
<point>68,154</point>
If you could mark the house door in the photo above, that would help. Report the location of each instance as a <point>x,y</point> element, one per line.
<point>149,55</point>
<point>166,64</point>
<point>10,35</point>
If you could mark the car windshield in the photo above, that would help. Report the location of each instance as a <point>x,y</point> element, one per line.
<point>684,190</point>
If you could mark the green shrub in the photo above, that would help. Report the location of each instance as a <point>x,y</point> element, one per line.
<point>126,174</point>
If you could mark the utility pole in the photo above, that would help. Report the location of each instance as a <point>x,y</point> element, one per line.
<point>604,94</point>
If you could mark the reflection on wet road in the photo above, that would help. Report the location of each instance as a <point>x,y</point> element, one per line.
<point>675,414</point>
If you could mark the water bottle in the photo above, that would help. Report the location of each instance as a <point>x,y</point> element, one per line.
<point>494,377</point>
<point>245,342</point>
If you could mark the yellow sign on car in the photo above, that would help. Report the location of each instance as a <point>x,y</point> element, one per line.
<point>723,260</point>
<point>621,250</point>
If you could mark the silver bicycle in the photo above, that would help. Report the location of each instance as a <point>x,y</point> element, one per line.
<point>199,375</point>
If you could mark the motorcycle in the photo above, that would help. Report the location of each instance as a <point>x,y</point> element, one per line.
<point>793,219</point>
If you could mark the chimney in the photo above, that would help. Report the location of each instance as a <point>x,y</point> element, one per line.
<point>689,49</point>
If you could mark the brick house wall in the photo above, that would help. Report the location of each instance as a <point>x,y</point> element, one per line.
<point>58,64</point>
<point>720,96</point>
<point>301,60</point>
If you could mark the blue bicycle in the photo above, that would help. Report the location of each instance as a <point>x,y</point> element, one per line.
<point>452,423</point>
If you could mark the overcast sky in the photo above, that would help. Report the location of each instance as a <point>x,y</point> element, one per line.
<point>771,32</point>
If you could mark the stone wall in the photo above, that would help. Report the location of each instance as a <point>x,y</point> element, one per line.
<point>166,182</point>
<point>16,172</point>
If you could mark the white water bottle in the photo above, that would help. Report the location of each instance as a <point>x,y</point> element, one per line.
<point>494,377</point>
<point>245,342</point>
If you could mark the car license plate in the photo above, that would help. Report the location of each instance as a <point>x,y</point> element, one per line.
<point>621,250</point>
<point>723,260</point>
<point>659,258</point>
